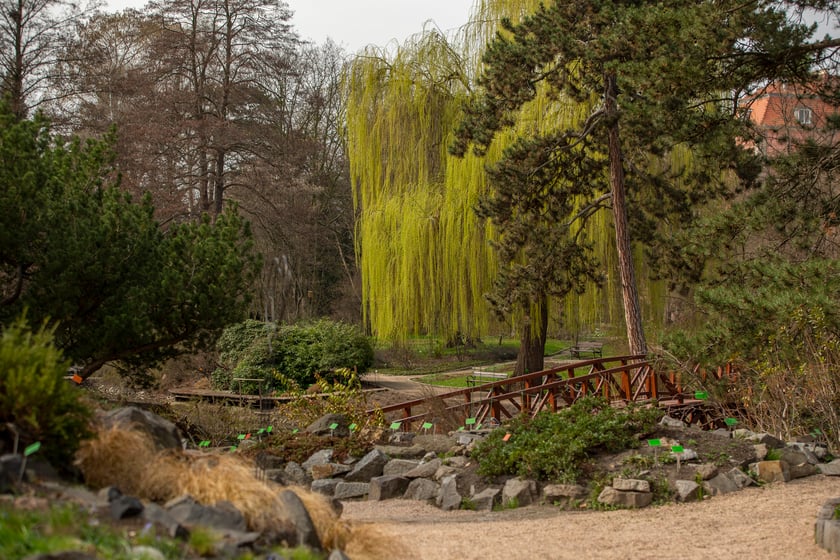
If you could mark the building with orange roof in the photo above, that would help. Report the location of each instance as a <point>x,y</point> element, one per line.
<point>786,115</point>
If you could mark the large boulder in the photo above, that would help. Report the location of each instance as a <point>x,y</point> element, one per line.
<point>296,515</point>
<point>163,433</point>
<point>369,466</point>
<point>223,516</point>
<point>422,489</point>
<point>323,426</point>
<point>387,487</point>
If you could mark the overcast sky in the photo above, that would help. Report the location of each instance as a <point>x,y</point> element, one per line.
<point>357,23</point>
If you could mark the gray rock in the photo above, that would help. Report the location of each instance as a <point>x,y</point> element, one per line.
<point>563,495</point>
<point>740,478</point>
<point>108,494</point>
<point>722,432</point>
<point>631,484</point>
<point>10,468</point>
<point>369,466</point>
<point>444,471</point>
<point>827,534</point>
<point>124,507</point>
<point>459,461</point>
<point>424,470</point>
<point>743,433</point>
<point>672,422</point>
<point>437,444</point>
<point>627,499</point>
<point>807,449</point>
<point>295,513</point>
<point>793,457</point>
<point>830,469</point>
<point>686,455</point>
<point>401,438</point>
<point>399,467</point>
<point>486,499</point>
<point>321,426</point>
<point>223,516</point>
<point>329,470</point>
<point>321,457</point>
<point>803,470</point>
<point>706,471</point>
<point>155,514</point>
<point>347,490</point>
<point>761,451</point>
<point>294,473</point>
<point>387,487</point>
<point>401,452</point>
<point>422,489</point>
<point>772,442</point>
<point>336,554</point>
<point>521,492</point>
<point>325,486</point>
<point>163,433</point>
<point>448,497</point>
<point>721,484</point>
<point>687,490</point>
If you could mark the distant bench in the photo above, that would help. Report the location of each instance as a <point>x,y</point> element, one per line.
<point>480,377</point>
<point>587,349</point>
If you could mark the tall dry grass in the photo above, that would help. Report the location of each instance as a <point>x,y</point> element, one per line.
<point>127,459</point>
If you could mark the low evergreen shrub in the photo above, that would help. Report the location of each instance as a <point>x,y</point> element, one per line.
<point>36,399</point>
<point>554,446</point>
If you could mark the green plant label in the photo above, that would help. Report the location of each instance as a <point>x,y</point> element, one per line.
<point>295,431</point>
<point>469,421</point>
<point>269,429</point>
<point>240,437</point>
<point>30,449</point>
<point>232,448</point>
<point>654,442</point>
<point>396,425</point>
<point>334,425</point>
<point>730,421</point>
<point>677,448</point>
<point>260,431</point>
<point>352,427</point>
<point>701,395</point>
<point>427,425</point>
<point>205,443</point>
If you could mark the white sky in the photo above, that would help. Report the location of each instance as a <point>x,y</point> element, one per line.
<point>354,24</point>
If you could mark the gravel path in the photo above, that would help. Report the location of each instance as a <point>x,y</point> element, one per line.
<point>773,522</point>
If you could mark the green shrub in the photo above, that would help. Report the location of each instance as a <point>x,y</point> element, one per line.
<point>289,357</point>
<point>554,446</point>
<point>35,397</point>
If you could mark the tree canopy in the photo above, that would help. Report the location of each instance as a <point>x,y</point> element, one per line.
<point>78,253</point>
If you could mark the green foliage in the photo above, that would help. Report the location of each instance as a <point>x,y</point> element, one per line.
<point>78,252</point>
<point>555,446</point>
<point>289,357</point>
<point>35,397</point>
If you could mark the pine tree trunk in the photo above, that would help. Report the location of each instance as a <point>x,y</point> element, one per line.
<point>531,356</point>
<point>627,272</point>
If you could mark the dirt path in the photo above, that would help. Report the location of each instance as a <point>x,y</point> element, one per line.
<point>773,522</point>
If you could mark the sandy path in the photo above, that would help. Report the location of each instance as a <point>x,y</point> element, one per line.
<point>774,522</point>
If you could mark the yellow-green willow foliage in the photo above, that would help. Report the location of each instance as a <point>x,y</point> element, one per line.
<point>426,258</point>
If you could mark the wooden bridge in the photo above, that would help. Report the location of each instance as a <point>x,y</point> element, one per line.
<point>619,380</point>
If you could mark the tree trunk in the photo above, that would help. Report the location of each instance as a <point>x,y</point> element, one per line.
<point>531,356</point>
<point>626,269</point>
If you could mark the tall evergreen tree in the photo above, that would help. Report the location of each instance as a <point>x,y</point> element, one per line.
<point>660,83</point>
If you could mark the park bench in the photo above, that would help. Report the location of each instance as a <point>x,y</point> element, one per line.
<point>587,349</point>
<point>481,377</point>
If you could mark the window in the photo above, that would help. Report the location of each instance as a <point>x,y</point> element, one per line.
<point>803,115</point>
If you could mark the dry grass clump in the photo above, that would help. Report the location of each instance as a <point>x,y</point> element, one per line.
<point>127,459</point>
<point>116,457</point>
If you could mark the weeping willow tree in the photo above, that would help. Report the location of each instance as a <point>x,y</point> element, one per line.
<point>593,102</point>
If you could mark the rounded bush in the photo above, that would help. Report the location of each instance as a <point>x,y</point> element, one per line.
<point>288,357</point>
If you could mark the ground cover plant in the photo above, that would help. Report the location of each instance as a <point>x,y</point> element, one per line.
<point>555,446</point>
